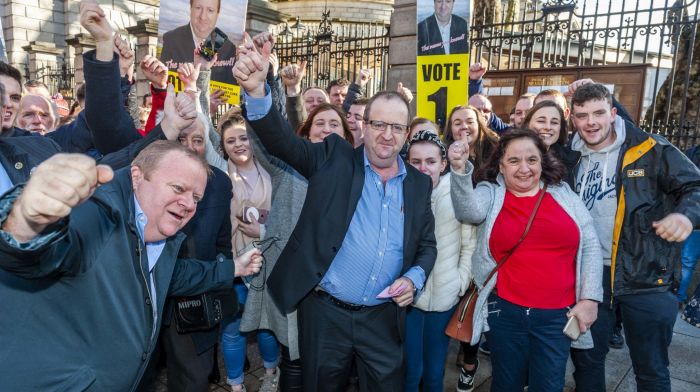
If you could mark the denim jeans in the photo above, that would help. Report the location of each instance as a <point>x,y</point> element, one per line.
<point>426,349</point>
<point>233,344</point>
<point>689,257</point>
<point>589,365</point>
<point>527,347</point>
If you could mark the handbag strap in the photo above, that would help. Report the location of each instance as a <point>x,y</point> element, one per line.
<point>522,237</point>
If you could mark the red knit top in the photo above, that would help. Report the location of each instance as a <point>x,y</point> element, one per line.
<point>542,271</point>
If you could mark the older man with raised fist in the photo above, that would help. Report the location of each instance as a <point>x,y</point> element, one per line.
<point>87,259</point>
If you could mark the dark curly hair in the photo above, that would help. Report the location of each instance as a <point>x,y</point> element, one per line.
<point>553,171</point>
<point>305,127</point>
<point>563,132</point>
<point>591,92</point>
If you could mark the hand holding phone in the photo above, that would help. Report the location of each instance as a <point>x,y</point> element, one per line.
<point>213,44</point>
<point>252,214</point>
<point>571,329</point>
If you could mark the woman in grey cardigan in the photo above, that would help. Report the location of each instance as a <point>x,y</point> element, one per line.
<point>554,274</point>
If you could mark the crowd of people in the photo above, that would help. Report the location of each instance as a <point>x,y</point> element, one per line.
<point>334,227</point>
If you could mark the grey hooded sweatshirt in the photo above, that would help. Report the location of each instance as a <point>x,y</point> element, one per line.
<point>595,180</point>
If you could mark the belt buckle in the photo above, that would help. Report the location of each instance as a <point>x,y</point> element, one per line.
<point>337,302</point>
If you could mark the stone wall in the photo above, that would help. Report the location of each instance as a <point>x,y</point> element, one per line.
<point>47,23</point>
<point>345,11</point>
<point>402,47</point>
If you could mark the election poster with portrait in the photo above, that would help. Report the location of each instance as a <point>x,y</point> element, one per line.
<point>442,57</point>
<point>216,24</point>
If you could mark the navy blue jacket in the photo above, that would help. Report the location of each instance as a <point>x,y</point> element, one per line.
<point>209,234</point>
<point>76,309</point>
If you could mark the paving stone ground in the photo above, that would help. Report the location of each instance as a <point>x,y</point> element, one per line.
<point>619,377</point>
<point>684,355</point>
<point>684,358</point>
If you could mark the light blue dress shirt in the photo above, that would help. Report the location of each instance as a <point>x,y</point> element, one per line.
<point>5,181</point>
<point>153,252</point>
<point>371,256</point>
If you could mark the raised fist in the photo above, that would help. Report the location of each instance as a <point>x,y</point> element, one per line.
<point>57,186</point>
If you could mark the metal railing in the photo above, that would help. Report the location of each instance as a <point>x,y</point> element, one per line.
<point>567,33</point>
<point>60,78</point>
<point>335,51</point>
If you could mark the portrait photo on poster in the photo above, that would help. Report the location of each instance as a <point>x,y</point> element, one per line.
<point>186,24</point>
<point>443,26</point>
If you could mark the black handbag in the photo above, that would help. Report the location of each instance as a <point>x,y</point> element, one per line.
<point>197,313</point>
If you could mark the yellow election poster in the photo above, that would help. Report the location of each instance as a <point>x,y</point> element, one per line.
<point>232,92</point>
<point>442,61</point>
<point>442,84</point>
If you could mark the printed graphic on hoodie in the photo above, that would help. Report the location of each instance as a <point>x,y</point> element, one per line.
<point>594,184</point>
<point>596,175</point>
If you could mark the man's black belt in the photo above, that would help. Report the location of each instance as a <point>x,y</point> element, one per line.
<point>335,301</point>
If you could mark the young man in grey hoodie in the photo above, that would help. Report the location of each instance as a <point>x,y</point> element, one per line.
<point>644,196</point>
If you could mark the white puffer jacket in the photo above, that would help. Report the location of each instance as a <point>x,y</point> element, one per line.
<point>455,244</point>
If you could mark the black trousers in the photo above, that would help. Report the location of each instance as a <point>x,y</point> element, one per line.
<point>331,338</point>
<point>291,375</point>
<point>187,370</point>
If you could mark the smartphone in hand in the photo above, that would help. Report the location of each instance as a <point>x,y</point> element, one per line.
<point>571,328</point>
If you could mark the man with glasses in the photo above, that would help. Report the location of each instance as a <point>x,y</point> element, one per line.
<point>443,32</point>
<point>364,243</point>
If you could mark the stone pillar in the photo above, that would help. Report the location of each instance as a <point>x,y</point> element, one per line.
<point>81,43</point>
<point>402,47</point>
<point>41,54</point>
<point>261,15</point>
<point>146,33</point>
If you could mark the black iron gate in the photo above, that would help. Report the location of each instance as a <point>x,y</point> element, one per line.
<point>60,78</point>
<point>335,51</point>
<point>565,33</point>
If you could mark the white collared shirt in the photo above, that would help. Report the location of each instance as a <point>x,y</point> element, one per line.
<point>445,34</point>
<point>194,38</point>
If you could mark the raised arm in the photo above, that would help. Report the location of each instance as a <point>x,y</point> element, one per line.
<point>470,205</point>
<point>291,77</point>
<point>357,88</point>
<point>38,239</point>
<point>106,114</point>
<point>179,113</point>
<point>276,135</point>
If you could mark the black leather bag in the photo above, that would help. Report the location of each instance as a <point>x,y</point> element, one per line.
<point>197,313</point>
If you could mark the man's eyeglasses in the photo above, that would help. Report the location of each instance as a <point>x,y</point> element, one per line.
<point>380,126</point>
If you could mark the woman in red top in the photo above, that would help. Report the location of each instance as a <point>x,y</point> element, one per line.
<point>553,274</point>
